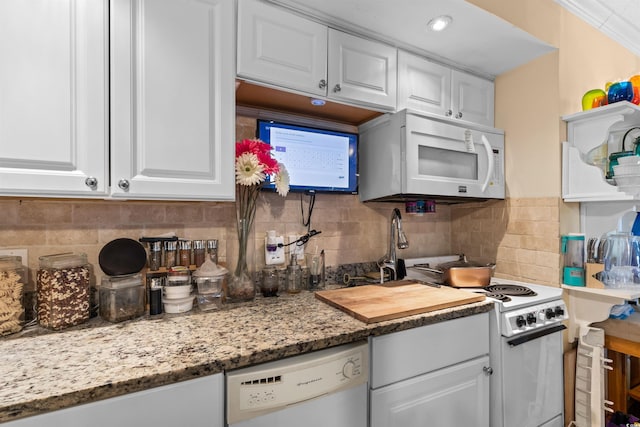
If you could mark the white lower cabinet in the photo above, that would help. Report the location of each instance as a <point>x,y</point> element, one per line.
<point>194,403</point>
<point>457,395</point>
<point>436,375</point>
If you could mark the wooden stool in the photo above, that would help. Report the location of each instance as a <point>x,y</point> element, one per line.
<point>622,341</point>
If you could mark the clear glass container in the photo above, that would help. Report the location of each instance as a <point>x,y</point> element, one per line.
<point>270,282</point>
<point>210,280</point>
<point>294,277</point>
<point>13,278</point>
<point>121,297</point>
<point>63,290</point>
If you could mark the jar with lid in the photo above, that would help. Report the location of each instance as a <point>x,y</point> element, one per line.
<point>155,255</point>
<point>13,277</point>
<point>199,252</point>
<point>63,290</point>
<point>210,280</point>
<point>184,252</point>
<point>121,297</point>
<point>178,283</point>
<point>170,253</point>
<point>294,276</point>
<point>212,250</point>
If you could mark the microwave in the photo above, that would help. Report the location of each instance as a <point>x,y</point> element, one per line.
<point>408,156</point>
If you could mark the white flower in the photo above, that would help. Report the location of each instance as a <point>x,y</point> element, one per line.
<point>282,181</point>
<point>249,170</point>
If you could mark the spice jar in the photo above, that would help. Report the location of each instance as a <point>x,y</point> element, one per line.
<point>199,252</point>
<point>184,252</point>
<point>212,250</point>
<point>155,255</point>
<point>121,297</point>
<point>170,253</point>
<point>13,277</point>
<point>63,290</point>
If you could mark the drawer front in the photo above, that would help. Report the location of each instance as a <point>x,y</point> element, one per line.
<point>406,354</point>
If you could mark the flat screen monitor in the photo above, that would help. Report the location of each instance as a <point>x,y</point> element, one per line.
<point>318,160</point>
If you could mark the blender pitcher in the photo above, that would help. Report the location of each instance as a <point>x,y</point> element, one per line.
<point>573,251</point>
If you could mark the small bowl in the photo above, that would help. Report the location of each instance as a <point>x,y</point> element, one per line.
<point>629,160</point>
<point>177,305</point>
<point>180,291</point>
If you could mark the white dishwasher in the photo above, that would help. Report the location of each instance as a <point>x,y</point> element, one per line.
<point>318,389</point>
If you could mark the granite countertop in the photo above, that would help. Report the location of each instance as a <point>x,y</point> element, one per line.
<point>55,370</point>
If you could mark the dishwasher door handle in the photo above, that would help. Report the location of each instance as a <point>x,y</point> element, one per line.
<point>535,335</point>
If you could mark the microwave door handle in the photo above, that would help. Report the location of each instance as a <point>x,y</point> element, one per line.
<point>489,150</point>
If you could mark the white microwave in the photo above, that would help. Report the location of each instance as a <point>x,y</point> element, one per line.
<point>412,156</point>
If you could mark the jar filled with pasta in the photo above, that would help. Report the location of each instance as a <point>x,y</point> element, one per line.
<point>13,277</point>
<point>63,290</point>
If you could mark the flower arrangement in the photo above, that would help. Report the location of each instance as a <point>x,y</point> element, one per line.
<point>254,163</point>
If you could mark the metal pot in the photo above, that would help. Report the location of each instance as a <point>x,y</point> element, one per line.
<point>463,273</point>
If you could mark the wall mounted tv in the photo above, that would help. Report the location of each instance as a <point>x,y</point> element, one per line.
<point>318,160</point>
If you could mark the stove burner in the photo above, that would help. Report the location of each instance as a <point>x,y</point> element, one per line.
<point>500,297</point>
<point>511,290</point>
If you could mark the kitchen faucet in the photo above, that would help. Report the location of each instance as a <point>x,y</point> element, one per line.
<point>390,260</point>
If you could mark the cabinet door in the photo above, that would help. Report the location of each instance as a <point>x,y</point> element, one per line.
<point>472,98</point>
<point>423,85</point>
<point>172,99</point>
<point>457,395</point>
<point>193,403</point>
<point>53,97</point>
<point>362,71</point>
<point>280,48</point>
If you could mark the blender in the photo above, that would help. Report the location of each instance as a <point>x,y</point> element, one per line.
<point>573,251</point>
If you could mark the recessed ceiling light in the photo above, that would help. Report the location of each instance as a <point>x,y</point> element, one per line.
<point>317,102</point>
<point>439,23</point>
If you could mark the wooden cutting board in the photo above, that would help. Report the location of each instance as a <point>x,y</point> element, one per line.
<point>374,303</point>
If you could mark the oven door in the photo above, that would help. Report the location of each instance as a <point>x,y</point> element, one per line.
<point>532,379</point>
<point>452,160</point>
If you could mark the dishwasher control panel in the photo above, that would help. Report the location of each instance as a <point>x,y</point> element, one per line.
<point>268,387</point>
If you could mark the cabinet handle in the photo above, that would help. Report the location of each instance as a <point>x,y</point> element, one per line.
<point>448,113</point>
<point>337,88</point>
<point>459,115</point>
<point>322,84</point>
<point>91,182</point>
<point>123,184</point>
<point>488,370</point>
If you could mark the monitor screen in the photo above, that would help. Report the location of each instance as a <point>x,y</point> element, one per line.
<point>317,160</point>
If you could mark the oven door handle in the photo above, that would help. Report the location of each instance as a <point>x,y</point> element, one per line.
<point>535,335</point>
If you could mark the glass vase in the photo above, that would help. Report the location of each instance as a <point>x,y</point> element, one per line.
<point>241,287</point>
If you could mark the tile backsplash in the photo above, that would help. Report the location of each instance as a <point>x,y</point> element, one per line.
<point>521,235</point>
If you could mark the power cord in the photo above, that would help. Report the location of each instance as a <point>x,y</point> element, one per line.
<point>312,201</point>
<point>302,240</point>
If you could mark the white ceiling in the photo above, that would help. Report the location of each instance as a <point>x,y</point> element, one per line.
<point>476,40</point>
<point>618,19</point>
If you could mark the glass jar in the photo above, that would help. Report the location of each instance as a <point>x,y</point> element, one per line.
<point>155,255</point>
<point>184,252</point>
<point>270,282</point>
<point>212,250</point>
<point>210,280</point>
<point>170,253</point>
<point>294,277</point>
<point>13,277</point>
<point>121,297</point>
<point>63,290</point>
<point>199,252</point>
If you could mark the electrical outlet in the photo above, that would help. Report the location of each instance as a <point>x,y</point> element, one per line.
<point>24,253</point>
<point>295,249</point>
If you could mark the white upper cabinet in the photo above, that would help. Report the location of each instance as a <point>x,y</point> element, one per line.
<point>429,87</point>
<point>53,98</point>
<point>362,71</point>
<point>279,48</point>
<point>172,99</point>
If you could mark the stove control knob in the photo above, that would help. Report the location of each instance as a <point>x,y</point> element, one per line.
<point>531,318</point>
<point>550,314</point>
<point>520,322</point>
<point>559,311</point>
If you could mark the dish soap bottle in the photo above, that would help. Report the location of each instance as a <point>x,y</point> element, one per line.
<point>294,276</point>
